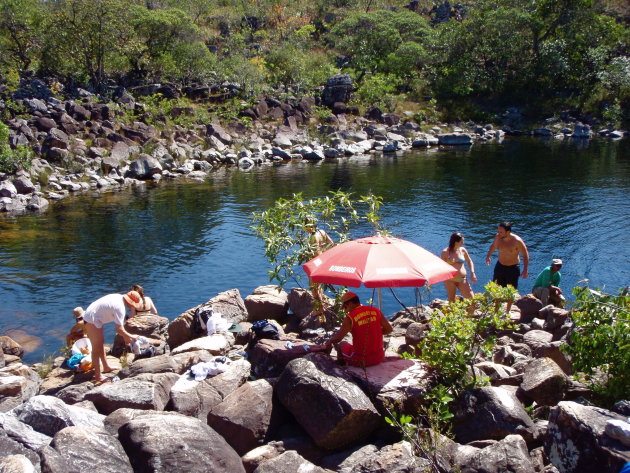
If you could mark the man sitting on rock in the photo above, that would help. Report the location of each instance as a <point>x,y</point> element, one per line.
<point>546,285</point>
<point>367,325</point>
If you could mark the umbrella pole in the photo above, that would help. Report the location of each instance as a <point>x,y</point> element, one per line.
<point>380,302</point>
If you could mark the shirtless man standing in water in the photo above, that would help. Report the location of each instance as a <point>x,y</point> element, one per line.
<point>510,246</point>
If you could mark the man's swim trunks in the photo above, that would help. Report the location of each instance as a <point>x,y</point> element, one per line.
<point>504,275</point>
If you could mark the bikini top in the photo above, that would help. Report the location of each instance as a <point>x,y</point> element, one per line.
<point>450,260</point>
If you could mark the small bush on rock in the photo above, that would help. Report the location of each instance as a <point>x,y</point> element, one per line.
<point>599,343</point>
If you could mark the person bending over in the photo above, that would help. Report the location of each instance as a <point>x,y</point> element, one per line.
<point>546,287</point>
<point>367,325</point>
<point>109,308</point>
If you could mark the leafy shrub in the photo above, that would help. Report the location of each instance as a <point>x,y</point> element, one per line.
<point>12,160</point>
<point>599,344</point>
<point>457,338</point>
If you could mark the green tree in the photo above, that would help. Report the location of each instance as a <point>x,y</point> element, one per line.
<point>19,31</point>
<point>85,38</point>
<point>165,40</point>
<point>368,38</point>
<point>282,227</point>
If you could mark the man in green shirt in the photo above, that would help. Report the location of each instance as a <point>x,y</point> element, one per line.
<point>546,285</point>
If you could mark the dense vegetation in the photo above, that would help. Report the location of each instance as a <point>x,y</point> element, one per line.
<point>462,61</point>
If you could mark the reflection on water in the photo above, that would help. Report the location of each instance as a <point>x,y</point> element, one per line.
<point>184,242</point>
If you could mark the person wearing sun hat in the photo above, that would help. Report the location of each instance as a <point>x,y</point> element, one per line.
<point>367,325</point>
<point>546,287</point>
<point>109,308</point>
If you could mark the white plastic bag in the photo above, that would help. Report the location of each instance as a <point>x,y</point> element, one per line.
<point>81,343</point>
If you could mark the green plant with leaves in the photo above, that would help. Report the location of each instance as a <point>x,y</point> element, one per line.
<point>282,227</point>
<point>599,343</point>
<point>457,338</point>
<point>12,160</point>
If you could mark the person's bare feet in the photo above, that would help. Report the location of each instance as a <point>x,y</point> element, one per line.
<point>101,380</point>
<point>108,370</point>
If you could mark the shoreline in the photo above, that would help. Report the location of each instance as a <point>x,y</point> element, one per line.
<point>86,147</point>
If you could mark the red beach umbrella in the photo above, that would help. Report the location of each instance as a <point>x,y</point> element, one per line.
<point>378,261</point>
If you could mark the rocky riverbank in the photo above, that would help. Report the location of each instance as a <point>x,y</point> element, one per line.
<point>89,144</point>
<point>273,405</point>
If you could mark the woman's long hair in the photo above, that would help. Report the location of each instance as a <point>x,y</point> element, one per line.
<point>455,237</point>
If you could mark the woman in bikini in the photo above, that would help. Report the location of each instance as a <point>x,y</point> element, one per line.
<point>456,255</point>
<point>147,307</point>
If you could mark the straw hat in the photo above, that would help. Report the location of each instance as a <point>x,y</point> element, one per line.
<point>132,298</point>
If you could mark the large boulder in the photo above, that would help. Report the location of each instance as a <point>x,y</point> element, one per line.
<point>544,382</point>
<point>455,139</point>
<point>529,306</point>
<point>508,455</point>
<point>217,344</point>
<point>23,433</point>
<point>146,391</point>
<point>395,382</point>
<point>338,89</point>
<point>325,402</point>
<point>489,413</point>
<point>48,415</point>
<point>300,302</point>
<point>267,302</point>
<point>17,464</point>
<point>269,357</point>
<point>144,167</point>
<point>18,383</point>
<point>247,417</point>
<point>150,442</point>
<point>228,303</point>
<point>11,447</point>
<point>554,351</point>
<point>576,442</point>
<point>196,398</point>
<point>537,338</point>
<point>288,462</point>
<point>85,450</point>
<point>8,345</point>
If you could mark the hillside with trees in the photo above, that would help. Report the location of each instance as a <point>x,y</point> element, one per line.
<point>439,60</point>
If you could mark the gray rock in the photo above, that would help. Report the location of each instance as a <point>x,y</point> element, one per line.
<point>455,139</point>
<point>338,89</point>
<point>57,139</point>
<point>288,462</point>
<point>11,447</point>
<point>529,305</point>
<point>576,442</point>
<point>543,132</point>
<point>16,464</point>
<point>544,382</point>
<point>197,398</point>
<point>537,338</point>
<point>7,189</point>
<point>267,302</point>
<point>219,132</point>
<point>48,415</point>
<point>228,303</point>
<point>269,357</point>
<point>554,351</point>
<point>37,203</point>
<point>86,450</point>
<point>321,397</point>
<point>196,448</point>
<point>144,167</point>
<point>23,433</point>
<point>508,455</point>
<point>24,185</point>
<point>489,413</point>
<point>395,381</point>
<point>582,131</point>
<point>247,417</point>
<point>146,391</point>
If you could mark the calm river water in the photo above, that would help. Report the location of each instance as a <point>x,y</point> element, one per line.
<point>184,241</point>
